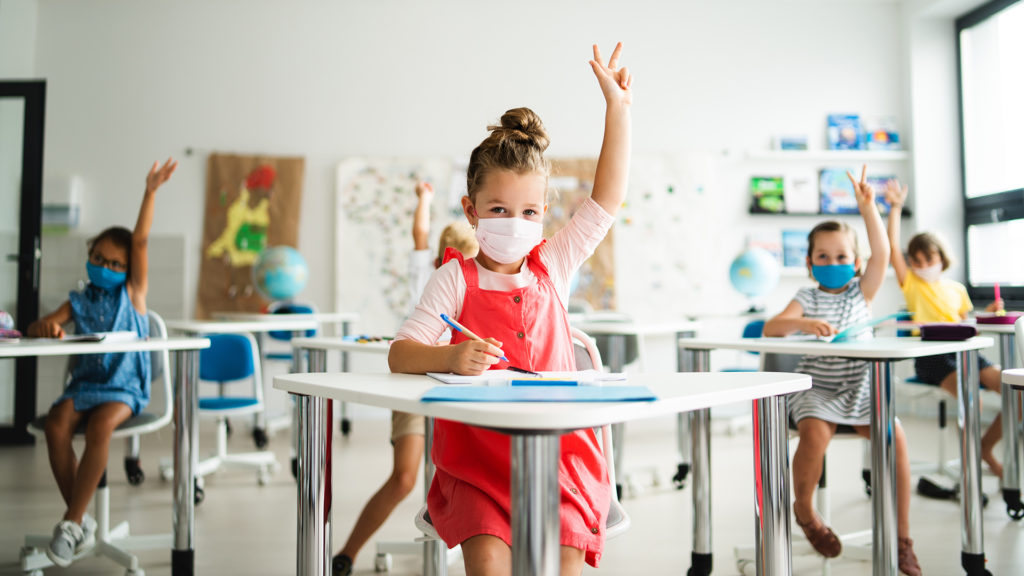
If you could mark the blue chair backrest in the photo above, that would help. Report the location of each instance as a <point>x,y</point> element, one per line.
<point>291,309</point>
<point>753,329</point>
<point>228,358</point>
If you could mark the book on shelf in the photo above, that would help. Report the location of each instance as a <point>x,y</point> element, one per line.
<point>879,183</point>
<point>794,248</point>
<point>836,192</point>
<point>767,195</point>
<point>791,142</point>
<point>844,132</point>
<point>801,192</point>
<point>880,133</point>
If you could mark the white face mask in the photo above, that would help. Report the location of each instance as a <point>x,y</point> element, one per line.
<point>929,274</point>
<point>508,240</point>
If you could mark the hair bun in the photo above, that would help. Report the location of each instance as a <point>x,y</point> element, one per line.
<point>522,125</point>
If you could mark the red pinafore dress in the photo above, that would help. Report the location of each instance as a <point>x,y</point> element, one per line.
<point>470,492</point>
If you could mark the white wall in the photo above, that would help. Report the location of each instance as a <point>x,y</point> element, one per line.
<point>131,82</point>
<point>17,38</point>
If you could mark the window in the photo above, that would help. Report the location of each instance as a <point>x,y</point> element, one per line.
<point>990,50</point>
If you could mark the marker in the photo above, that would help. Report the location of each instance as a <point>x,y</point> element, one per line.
<point>1001,311</point>
<point>460,328</point>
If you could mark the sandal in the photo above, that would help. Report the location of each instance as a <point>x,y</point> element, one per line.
<point>907,559</point>
<point>822,538</point>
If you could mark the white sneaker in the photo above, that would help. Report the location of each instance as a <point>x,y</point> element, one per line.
<point>67,536</point>
<point>88,535</point>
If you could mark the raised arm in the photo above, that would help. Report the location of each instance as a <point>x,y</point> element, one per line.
<point>897,196</point>
<point>874,272</point>
<point>613,164</point>
<point>138,283</point>
<point>421,217</point>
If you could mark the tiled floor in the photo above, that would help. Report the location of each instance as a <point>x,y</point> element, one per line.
<point>247,529</point>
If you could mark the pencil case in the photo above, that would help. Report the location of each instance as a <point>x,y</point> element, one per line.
<point>993,318</point>
<point>947,332</point>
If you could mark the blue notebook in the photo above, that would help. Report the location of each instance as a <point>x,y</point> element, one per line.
<point>539,394</point>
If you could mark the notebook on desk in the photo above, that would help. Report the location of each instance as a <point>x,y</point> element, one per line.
<point>539,394</point>
<point>549,378</point>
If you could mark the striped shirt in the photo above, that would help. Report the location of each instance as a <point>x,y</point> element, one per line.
<point>840,390</point>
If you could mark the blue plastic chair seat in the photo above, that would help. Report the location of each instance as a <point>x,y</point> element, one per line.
<point>226,403</point>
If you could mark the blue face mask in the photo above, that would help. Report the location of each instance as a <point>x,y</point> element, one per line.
<point>834,276</point>
<point>104,277</point>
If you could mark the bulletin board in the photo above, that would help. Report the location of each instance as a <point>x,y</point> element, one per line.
<point>251,202</point>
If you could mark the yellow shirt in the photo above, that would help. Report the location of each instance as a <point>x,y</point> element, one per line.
<point>941,301</point>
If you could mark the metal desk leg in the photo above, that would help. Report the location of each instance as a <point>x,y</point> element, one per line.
<point>346,424</point>
<point>617,362</point>
<point>700,448</point>
<point>883,477</point>
<point>536,525</point>
<point>771,487</point>
<point>682,423</point>
<point>1011,456</point>
<point>186,442</point>
<point>316,361</point>
<point>314,497</point>
<point>972,555</point>
<point>435,552</point>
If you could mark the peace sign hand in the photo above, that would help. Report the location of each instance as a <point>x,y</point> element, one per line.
<point>615,82</point>
<point>864,191</point>
<point>895,194</point>
<point>159,174</point>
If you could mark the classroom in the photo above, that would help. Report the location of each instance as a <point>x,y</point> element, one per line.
<point>280,173</point>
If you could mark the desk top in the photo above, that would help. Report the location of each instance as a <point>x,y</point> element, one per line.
<point>1014,377</point>
<point>631,328</point>
<point>676,391</point>
<point>231,327</point>
<point>982,328</point>
<point>321,317</point>
<point>380,347</point>
<point>887,348</point>
<point>52,347</point>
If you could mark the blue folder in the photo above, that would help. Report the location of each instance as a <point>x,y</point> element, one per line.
<point>539,394</point>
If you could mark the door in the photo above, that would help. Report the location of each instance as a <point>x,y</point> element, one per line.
<point>22,106</point>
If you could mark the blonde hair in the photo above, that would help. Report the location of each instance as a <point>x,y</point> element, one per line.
<point>926,243</point>
<point>458,235</point>
<point>833,226</point>
<point>516,145</point>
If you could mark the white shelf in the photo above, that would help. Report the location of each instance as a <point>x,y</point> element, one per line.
<point>829,155</point>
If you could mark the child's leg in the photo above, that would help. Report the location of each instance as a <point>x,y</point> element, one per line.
<point>808,460</point>
<point>486,555</point>
<point>60,428</point>
<point>992,378</point>
<point>901,459</point>
<point>572,561</point>
<point>102,421</point>
<point>408,454</point>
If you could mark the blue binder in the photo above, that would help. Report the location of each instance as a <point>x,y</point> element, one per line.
<point>539,394</point>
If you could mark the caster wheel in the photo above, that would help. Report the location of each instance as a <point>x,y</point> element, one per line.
<point>866,476</point>
<point>295,468</point>
<point>618,492</point>
<point>227,427</point>
<point>34,573</point>
<point>200,495</point>
<point>259,437</point>
<point>133,470</point>
<point>263,478</point>
<point>138,572</point>
<point>346,426</point>
<point>382,563</point>
<point>680,478</point>
<point>745,567</point>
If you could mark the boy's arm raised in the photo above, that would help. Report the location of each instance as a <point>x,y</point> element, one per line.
<point>613,164</point>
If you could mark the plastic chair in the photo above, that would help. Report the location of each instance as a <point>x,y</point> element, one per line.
<point>115,543</point>
<point>587,357</point>
<point>231,358</point>
<point>856,545</point>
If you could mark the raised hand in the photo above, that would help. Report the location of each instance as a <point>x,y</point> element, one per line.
<point>159,174</point>
<point>615,82</point>
<point>864,191</point>
<point>895,194</point>
<point>424,189</point>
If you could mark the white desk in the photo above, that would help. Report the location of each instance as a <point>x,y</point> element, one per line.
<point>882,353</point>
<point>186,432</point>
<point>535,428</point>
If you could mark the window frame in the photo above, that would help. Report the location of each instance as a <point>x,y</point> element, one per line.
<point>992,208</point>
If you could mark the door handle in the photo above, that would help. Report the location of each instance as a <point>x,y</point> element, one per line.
<point>13,257</point>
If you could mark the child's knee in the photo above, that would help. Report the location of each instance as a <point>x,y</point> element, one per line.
<point>405,480</point>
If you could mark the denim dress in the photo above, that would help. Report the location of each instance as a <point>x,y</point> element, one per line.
<point>116,377</point>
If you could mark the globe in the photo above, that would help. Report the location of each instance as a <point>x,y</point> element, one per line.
<point>279,273</point>
<point>754,273</point>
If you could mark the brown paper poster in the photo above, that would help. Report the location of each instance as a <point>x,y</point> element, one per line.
<point>252,202</point>
<point>571,182</point>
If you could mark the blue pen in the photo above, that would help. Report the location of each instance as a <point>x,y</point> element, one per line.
<point>459,327</point>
